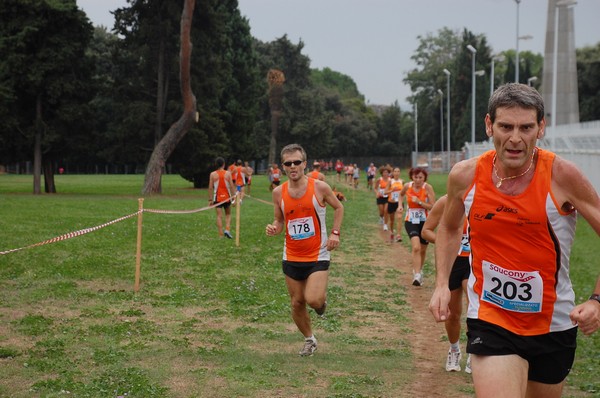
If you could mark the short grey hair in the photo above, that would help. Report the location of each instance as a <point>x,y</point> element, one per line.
<point>512,95</point>
<point>294,148</point>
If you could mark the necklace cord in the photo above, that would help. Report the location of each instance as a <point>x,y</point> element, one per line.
<point>501,179</point>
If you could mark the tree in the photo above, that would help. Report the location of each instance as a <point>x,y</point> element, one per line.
<point>229,87</point>
<point>167,144</point>
<point>45,73</point>
<point>388,126</point>
<point>588,73</point>
<point>336,83</point>
<point>302,117</point>
<point>530,65</point>
<point>434,53</point>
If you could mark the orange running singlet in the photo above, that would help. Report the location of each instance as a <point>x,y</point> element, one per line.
<point>276,174</point>
<point>394,196</point>
<point>382,186</point>
<point>306,235</point>
<point>415,213</point>
<point>520,247</point>
<point>240,177</point>
<point>221,188</point>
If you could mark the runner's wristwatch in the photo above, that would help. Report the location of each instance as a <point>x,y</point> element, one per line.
<point>595,297</point>
<point>336,232</point>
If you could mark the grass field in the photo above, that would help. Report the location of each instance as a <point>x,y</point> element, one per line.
<point>211,319</point>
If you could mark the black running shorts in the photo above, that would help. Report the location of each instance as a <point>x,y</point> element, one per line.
<point>550,355</point>
<point>413,230</point>
<point>461,269</point>
<point>392,207</point>
<point>301,271</point>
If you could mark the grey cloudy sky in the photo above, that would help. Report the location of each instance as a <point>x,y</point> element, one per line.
<point>372,40</point>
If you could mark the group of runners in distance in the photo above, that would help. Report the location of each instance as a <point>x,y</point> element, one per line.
<point>503,234</point>
<point>391,192</point>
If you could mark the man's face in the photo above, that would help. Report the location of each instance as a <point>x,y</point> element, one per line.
<point>515,133</point>
<point>293,165</point>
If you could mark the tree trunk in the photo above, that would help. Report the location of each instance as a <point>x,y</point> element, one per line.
<point>160,94</point>
<point>273,143</point>
<point>37,147</point>
<point>275,78</point>
<point>179,129</point>
<point>49,185</point>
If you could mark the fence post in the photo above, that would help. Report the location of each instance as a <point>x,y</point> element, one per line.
<point>238,200</point>
<point>138,254</point>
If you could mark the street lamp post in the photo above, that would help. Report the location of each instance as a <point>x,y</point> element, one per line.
<point>499,58</point>
<point>447,72</point>
<point>473,54</point>
<point>416,134</point>
<point>531,80</point>
<point>517,55</point>
<point>559,4</point>
<point>518,62</point>
<point>441,93</point>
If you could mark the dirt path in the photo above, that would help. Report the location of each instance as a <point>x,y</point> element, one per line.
<point>428,343</point>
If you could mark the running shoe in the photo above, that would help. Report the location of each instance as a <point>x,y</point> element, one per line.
<point>385,227</point>
<point>227,234</point>
<point>468,367</point>
<point>310,346</point>
<point>321,311</point>
<point>453,361</point>
<point>418,279</point>
<point>381,220</point>
<point>399,238</point>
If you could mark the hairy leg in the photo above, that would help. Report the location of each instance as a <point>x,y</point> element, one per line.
<point>415,244</point>
<point>541,390</point>
<point>228,219</point>
<point>492,372</point>
<point>219,220</point>
<point>315,291</point>
<point>452,324</point>
<point>298,302</point>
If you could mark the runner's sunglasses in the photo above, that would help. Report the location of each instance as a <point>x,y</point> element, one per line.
<point>294,162</point>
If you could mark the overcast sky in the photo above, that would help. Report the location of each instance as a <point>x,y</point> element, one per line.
<point>372,40</point>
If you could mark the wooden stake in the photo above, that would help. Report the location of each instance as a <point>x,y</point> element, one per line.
<point>138,254</point>
<point>238,200</point>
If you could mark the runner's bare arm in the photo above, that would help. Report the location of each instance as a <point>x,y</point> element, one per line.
<point>587,314</point>
<point>433,220</point>
<point>572,189</point>
<point>211,183</point>
<point>329,197</point>
<point>448,236</point>
<point>277,225</point>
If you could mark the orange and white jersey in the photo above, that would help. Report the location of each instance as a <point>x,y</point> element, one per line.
<point>221,187</point>
<point>239,178</point>
<point>520,247</point>
<point>276,174</point>
<point>314,174</point>
<point>414,212</point>
<point>396,186</point>
<point>381,186</point>
<point>305,231</point>
<point>465,245</point>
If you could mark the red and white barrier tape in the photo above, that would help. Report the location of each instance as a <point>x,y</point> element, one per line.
<point>158,211</point>
<point>259,200</point>
<point>92,229</point>
<point>71,234</point>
